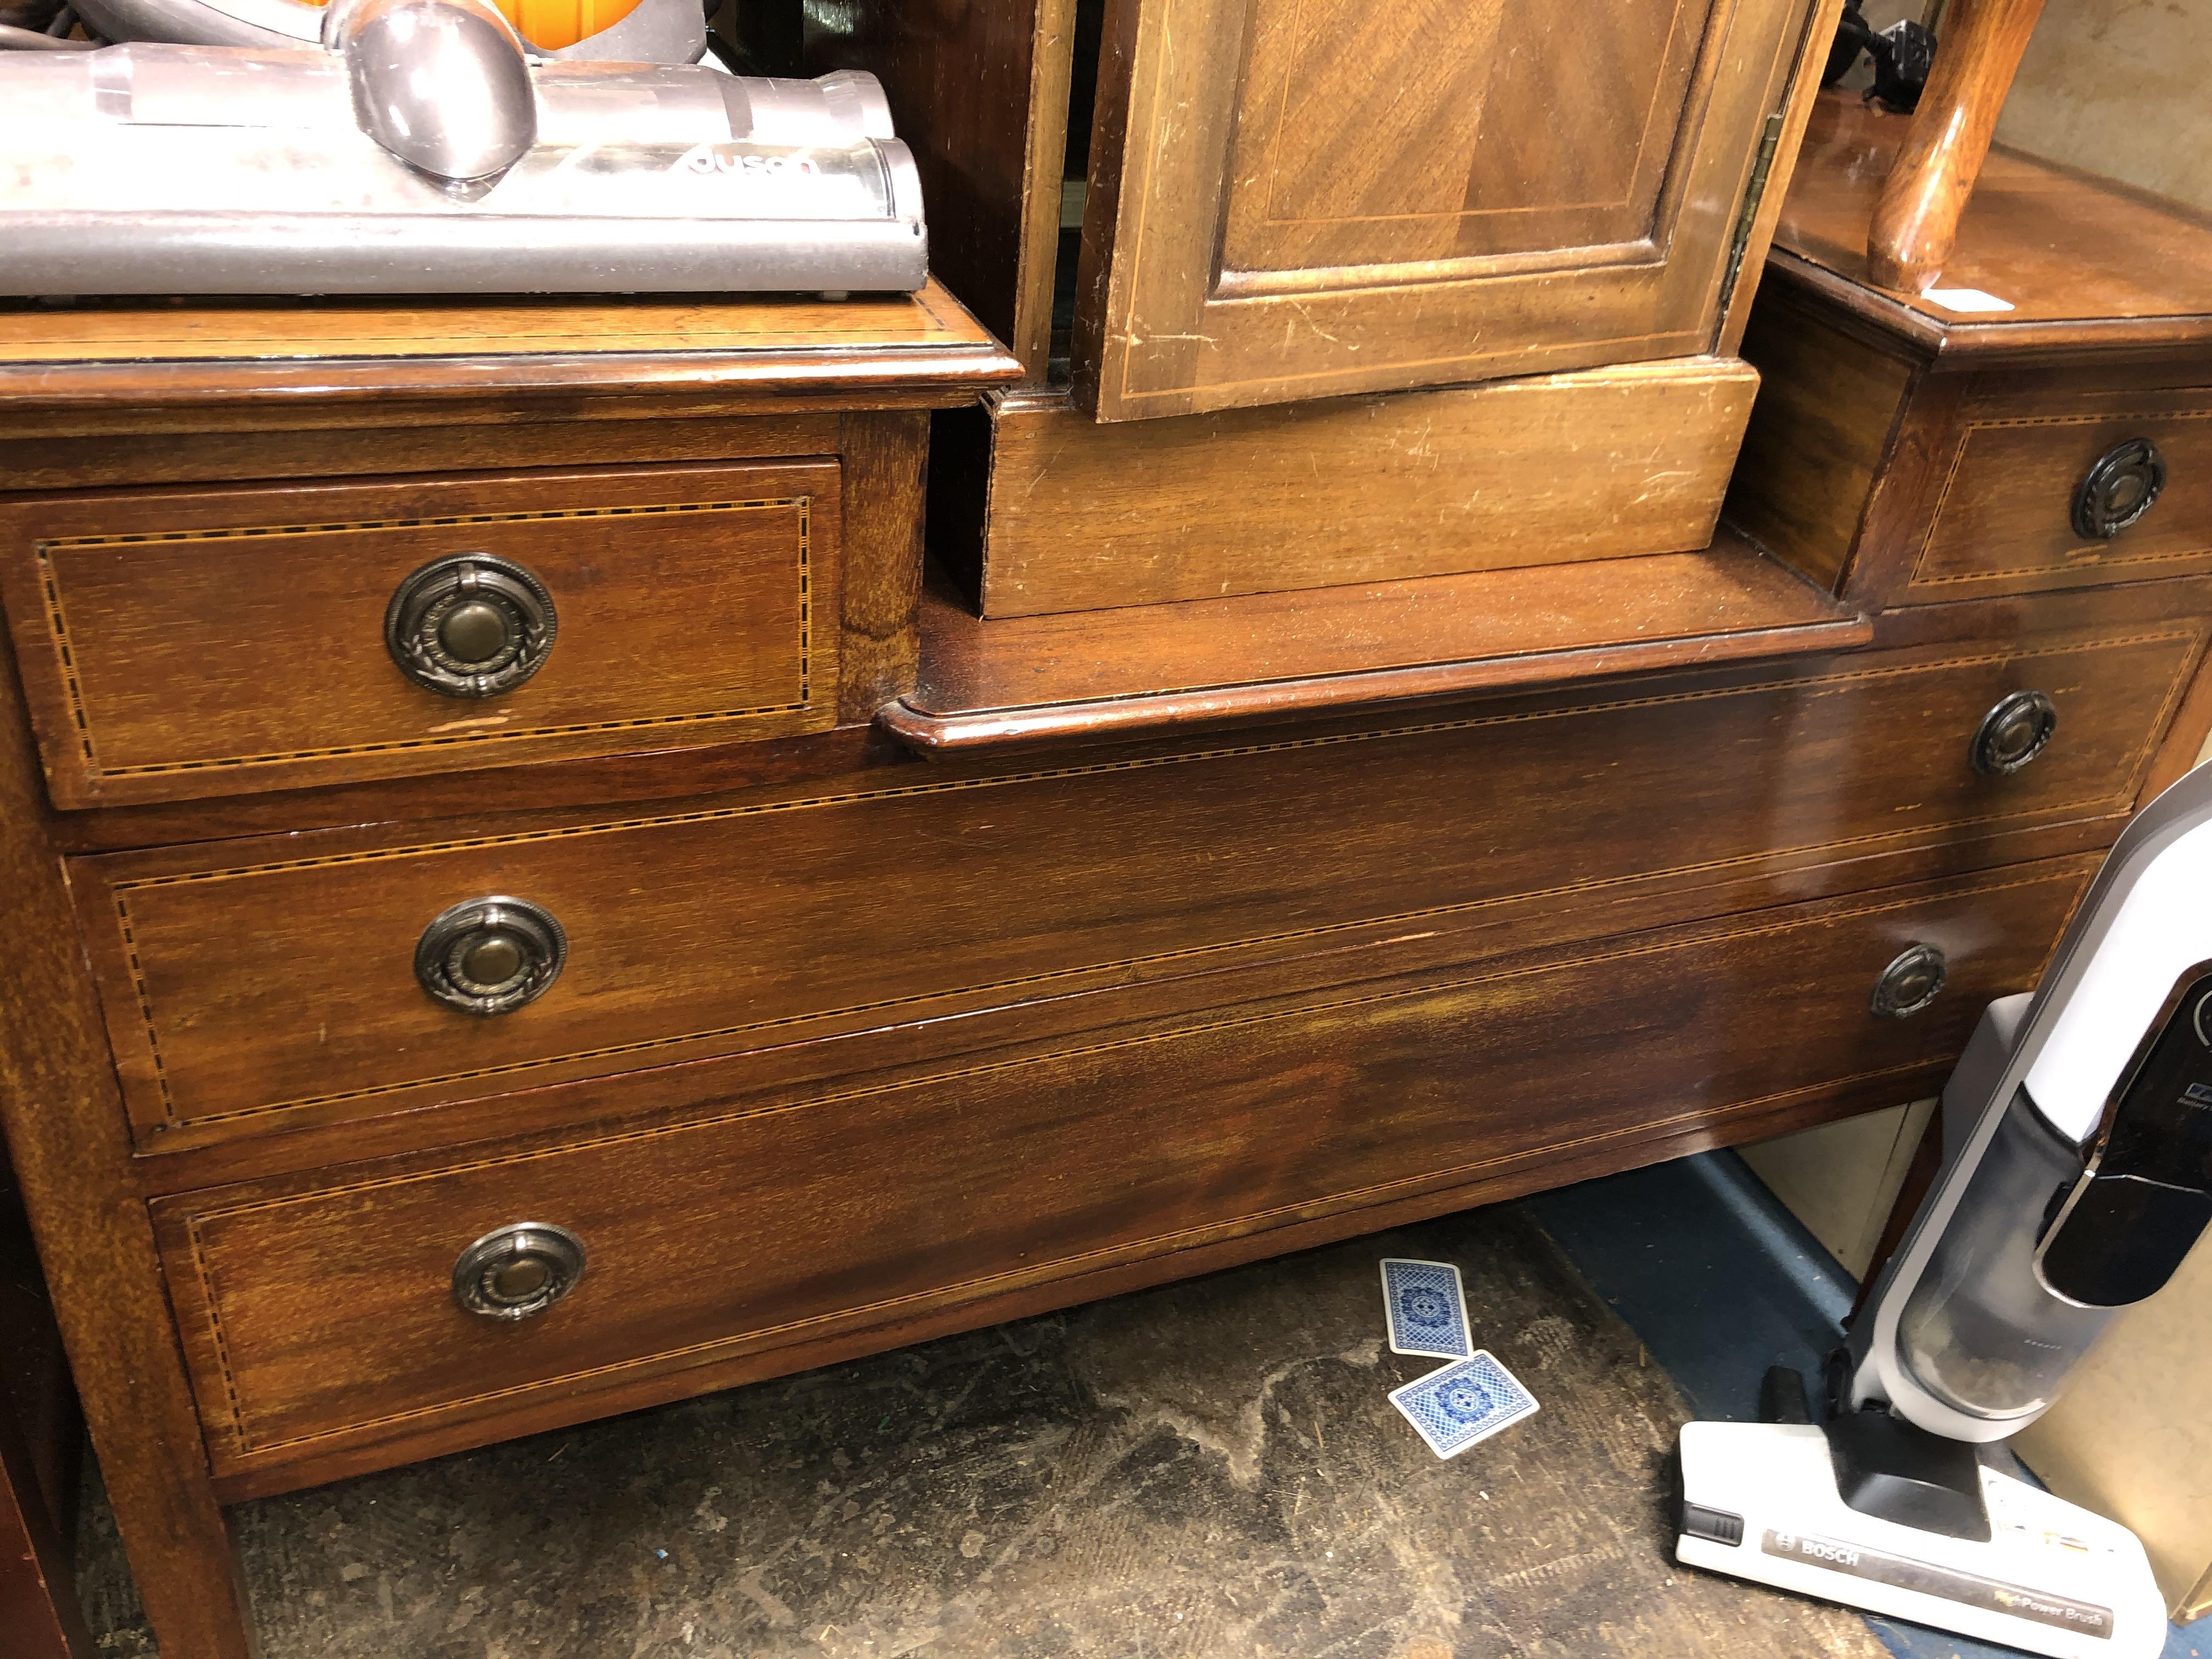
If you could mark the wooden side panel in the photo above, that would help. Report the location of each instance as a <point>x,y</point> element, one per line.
<point>1828,405</point>
<point>264,984</point>
<point>980,94</point>
<point>69,1142</point>
<point>179,644</point>
<point>319,1317</point>
<point>1597,464</point>
<point>877,601</point>
<point>1300,198</point>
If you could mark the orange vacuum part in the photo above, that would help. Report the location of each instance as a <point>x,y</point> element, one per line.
<point>554,24</point>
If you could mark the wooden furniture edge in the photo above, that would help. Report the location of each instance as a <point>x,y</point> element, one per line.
<point>38,1592</point>
<point>62,1113</point>
<point>1968,344</point>
<point>1052,65</point>
<point>771,380</point>
<point>1800,89</point>
<point>1828,627</point>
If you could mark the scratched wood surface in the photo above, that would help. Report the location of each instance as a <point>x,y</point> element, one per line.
<point>1335,196</point>
<point>1549,470</point>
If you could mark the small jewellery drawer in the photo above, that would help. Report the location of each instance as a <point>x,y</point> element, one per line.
<point>181,643</point>
<point>2099,485</point>
<point>376,1303</point>
<point>266,984</point>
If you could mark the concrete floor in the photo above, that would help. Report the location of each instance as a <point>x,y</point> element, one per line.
<point>1207,1469</point>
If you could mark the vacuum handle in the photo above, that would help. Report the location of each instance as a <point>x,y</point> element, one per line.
<point>442,84</point>
<point>2146,1197</point>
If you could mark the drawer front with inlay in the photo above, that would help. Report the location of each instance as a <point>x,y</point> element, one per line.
<point>2104,486</point>
<point>343,1308</point>
<point>183,643</point>
<point>260,984</point>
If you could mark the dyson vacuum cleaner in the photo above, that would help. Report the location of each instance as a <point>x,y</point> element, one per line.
<point>256,147</point>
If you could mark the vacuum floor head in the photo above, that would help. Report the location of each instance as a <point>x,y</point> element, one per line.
<point>1761,1502</point>
<point>168,169</point>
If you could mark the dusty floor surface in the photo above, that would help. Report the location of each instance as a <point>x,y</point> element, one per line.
<point>1205,1471</point>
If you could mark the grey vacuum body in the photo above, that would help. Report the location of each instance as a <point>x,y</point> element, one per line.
<point>423,149</point>
<point>2077,1131</point>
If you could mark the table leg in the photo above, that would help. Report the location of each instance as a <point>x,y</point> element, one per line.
<point>1916,222</point>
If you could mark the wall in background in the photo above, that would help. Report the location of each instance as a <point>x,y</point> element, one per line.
<point>1842,1179</point>
<point>2119,88</point>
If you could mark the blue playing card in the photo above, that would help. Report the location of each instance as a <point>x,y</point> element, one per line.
<point>1425,1309</point>
<point>1468,1401</point>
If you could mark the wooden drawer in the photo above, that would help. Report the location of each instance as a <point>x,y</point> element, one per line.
<point>317,1314</point>
<point>264,984</point>
<point>1896,477</point>
<point>177,643</point>
<point>2003,513</point>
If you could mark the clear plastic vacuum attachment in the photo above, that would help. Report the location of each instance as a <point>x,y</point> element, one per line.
<point>174,169</point>
<point>1980,1331</point>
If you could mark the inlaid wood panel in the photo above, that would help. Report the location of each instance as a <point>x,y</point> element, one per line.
<point>1299,197</point>
<point>2002,519</point>
<point>264,983</point>
<point>178,644</point>
<point>1462,147</point>
<point>317,1315</point>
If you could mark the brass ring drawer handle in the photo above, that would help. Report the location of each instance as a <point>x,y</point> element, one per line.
<point>2017,728</point>
<point>518,1272</point>
<point>491,956</point>
<point>470,625</point>
<point>2118,488</point>
<point>1912,980</point>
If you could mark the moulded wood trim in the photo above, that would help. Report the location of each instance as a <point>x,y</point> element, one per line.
<point>922,350</point>
<point>740,385</point>
<point>1120,720</point>
<point>1989,344</point>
